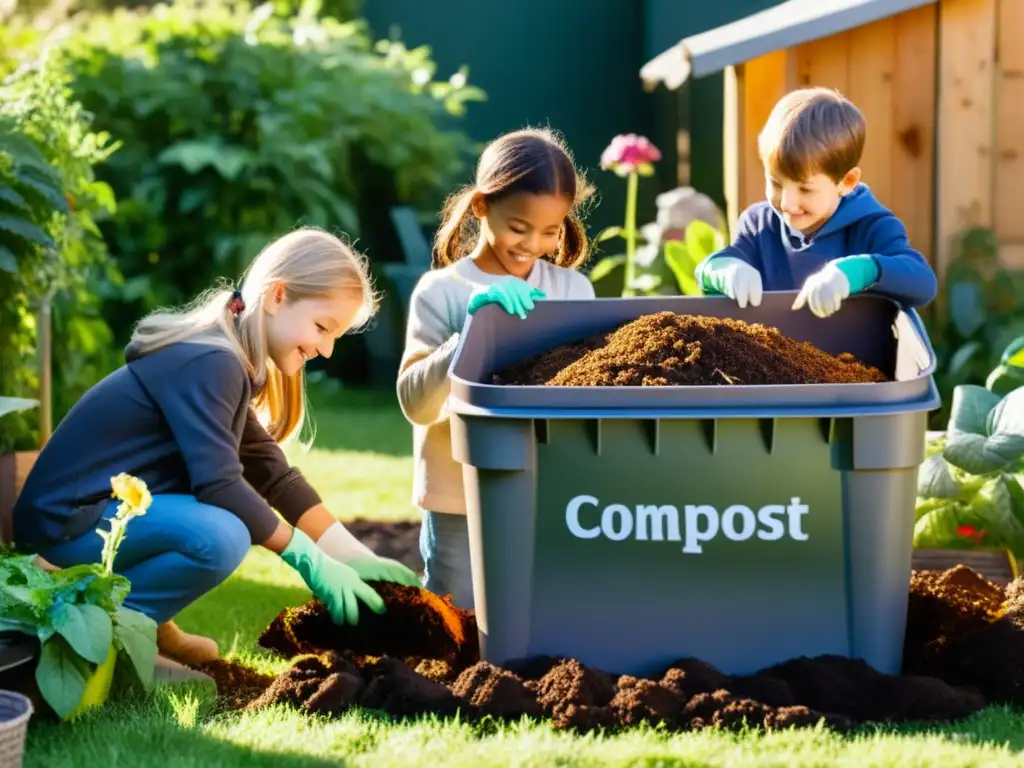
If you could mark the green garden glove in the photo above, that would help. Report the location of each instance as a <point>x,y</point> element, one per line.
<point>374,568</point>
<point>514,295</point>
<point>335,583</point>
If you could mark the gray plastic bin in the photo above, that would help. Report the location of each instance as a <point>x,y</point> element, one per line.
<point>743,525</point>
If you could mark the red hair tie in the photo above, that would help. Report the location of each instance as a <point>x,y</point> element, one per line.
<point>236,305</point>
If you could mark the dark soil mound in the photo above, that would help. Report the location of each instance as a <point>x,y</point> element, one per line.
<point>417,624</point>
<point>967,631</point>
<point>667,349</point>
<point>237,686</point>
<point>964,650</point>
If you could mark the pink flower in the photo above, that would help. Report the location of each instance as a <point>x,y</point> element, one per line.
<point>628,153</point>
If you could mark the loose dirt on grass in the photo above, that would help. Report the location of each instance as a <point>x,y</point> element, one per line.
<point>668,349</point>
<point>964,651</point>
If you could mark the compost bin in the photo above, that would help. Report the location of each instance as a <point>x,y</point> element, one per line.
<point>628,527</point>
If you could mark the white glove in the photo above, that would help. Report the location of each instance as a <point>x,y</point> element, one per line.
<point>736,279</point>
<point>338,543</point>
<point>825,291</point>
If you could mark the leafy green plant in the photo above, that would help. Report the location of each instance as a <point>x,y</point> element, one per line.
<point>1009,374</point>
<point>980,313</point>
<point>78,614</point>
<point>661,268</point>
<point>16,404</point>
<point>969,486</point>
<point>239,124</point>
<point>50,246</point>
<point>661,265</point>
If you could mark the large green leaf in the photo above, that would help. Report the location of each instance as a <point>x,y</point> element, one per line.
<point>993,506</point>
<point>26,230</point>
<point>45,189</point>
<point>1005,427</point>
<point>702,239</point>
<point>935,481</point>
<point>61,676</point>
<point>938,527</point>
<point>11,196</point>
<point>1013,484</point>
<point>1013,355</point>
<point>608,233</point>
<point>1004,379</point>
<point>14,404</point>
<point>87,628</point>
<point>683,264</point>
<point>136,634</point>
<point>8,261</point>
<point>606,266</point>
<point>970,409</point>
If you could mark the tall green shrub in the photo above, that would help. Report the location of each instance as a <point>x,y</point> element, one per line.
<point>50,245</point>
<point>238,125</point>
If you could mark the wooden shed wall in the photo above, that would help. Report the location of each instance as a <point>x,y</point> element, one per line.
<point>943,96</point>
<point>887,69</point>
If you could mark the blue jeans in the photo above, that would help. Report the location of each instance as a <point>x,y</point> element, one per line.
<point>444,546</point>
<point>172,555</point>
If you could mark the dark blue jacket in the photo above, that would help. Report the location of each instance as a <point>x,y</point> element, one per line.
<point>179,419</point>
<point>860,225</point>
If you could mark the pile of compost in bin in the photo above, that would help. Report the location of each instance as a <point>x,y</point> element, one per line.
<point>668,349</point>
<point>964,650</point>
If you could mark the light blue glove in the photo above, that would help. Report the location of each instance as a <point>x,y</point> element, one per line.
<point>825,291</point>
<point>515,296</point>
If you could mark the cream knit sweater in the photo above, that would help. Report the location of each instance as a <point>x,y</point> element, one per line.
<point>437,313</point>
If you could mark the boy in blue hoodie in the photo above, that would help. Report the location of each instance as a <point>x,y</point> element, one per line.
<point>820,229</point>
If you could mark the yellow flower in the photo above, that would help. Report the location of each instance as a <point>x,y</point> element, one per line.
<point>132,491</point>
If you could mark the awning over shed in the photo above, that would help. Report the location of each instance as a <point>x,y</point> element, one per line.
<point>788,24</point>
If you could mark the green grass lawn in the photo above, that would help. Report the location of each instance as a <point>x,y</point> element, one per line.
<point>361,463</point>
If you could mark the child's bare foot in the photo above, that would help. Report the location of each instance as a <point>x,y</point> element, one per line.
<point>184,647</point>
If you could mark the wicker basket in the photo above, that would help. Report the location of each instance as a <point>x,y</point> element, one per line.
<point>15,710</point>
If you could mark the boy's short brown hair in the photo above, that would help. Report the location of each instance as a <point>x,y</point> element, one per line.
<point>812,130</point>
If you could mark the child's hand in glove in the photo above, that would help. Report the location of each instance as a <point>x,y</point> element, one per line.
<point>338,542</point>
<point>515,296</point>
<point>374,568</point>
<point>331,581</point>
<point>825,291</point>
<point>734,278</point>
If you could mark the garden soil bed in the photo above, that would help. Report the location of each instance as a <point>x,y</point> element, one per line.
<point>668,349</point>
<point>964,651</point>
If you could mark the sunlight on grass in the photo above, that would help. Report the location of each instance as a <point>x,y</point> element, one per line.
<point>181,726</point>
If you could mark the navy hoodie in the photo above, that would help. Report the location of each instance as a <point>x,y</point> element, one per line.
<point>860,225</point>
<point>179,419</point>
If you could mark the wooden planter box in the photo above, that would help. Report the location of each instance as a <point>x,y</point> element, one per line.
<point>996,565</point>
<point>14,468</point>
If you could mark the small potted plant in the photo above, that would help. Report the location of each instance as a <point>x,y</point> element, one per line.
<point>79,619</point>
